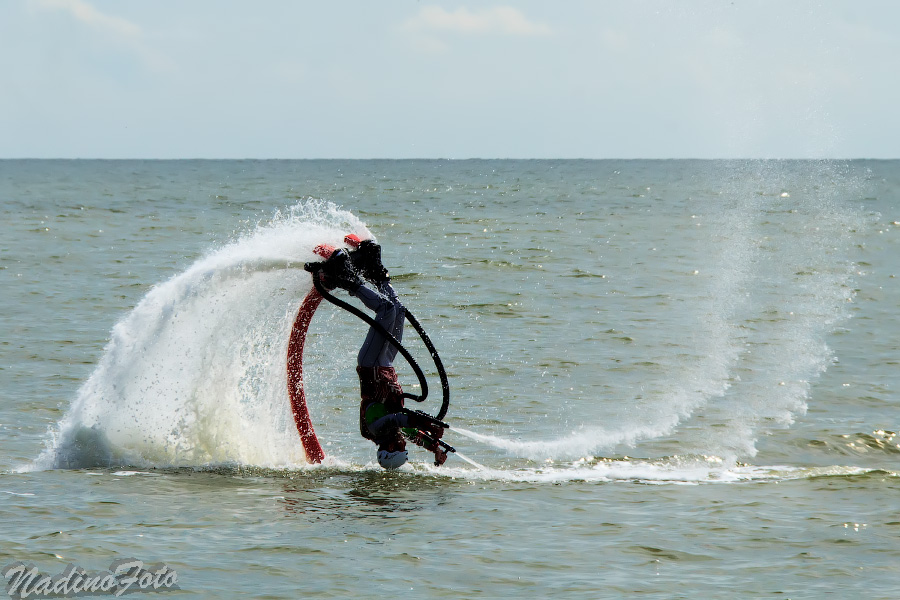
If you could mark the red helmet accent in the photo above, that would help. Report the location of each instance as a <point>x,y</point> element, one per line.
<point>324,250</point>
<point>352,240</point>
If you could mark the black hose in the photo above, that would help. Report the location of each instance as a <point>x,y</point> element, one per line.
<point>396,343</point>
<point>445,385</point>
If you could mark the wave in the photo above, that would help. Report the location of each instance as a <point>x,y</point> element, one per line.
<point>673,470</point>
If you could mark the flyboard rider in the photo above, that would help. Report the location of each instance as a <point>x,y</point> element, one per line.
<point>381,416</point>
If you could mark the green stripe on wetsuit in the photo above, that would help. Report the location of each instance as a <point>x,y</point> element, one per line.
<point>376,410</point>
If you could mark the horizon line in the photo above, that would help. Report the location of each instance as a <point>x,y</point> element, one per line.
<point>448,159</point>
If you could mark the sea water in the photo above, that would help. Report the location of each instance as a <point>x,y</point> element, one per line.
<point>673,379</point>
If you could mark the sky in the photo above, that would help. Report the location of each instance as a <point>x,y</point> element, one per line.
<point>477,79</point>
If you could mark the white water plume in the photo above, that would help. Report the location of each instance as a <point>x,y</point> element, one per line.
<point>195,373</point>
<point>777,282</point>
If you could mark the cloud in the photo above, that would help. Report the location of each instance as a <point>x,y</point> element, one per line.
<point>503,20</point>
<point>122,33</point>
<point>90,16</point>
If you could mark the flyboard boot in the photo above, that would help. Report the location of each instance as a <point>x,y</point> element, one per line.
<point>366,259</point>
<point>336,271</point>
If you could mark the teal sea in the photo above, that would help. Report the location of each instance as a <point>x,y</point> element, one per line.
<point>672,379</point>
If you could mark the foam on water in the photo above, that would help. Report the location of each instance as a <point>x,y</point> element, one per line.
<point>677,470</point>
<point>683,471</point>
<point>195,374</point>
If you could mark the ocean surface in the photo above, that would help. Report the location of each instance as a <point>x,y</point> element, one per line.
<point>672,379</point>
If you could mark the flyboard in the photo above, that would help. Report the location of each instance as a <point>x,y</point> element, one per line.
<point>311,446</point>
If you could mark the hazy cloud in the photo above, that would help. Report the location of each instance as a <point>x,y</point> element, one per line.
<point>90,16</point>
<point>504,20</point>
<point>114,30</point>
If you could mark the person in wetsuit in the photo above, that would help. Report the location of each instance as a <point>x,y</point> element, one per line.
<point>381,416</point>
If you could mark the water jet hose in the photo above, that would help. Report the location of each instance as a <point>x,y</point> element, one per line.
<point>299,410</point>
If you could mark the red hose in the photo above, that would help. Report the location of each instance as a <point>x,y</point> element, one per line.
<point>311,445</point>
